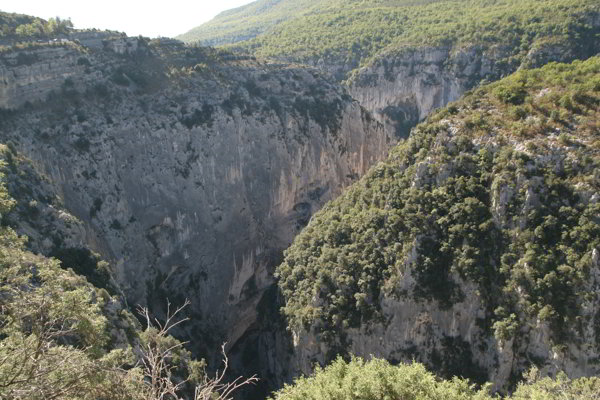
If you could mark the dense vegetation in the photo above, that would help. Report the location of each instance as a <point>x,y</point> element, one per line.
<point>261,16</point>
<point>355,31</point>
<point>24,26</point>
<point>246,22</point>
<point>377,379</point>
<point>495,189</point>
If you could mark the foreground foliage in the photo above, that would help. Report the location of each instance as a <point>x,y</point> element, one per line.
<point>377,379</point>
<point>54,339</point>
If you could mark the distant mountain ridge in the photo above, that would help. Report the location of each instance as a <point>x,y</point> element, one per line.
<point>243,23</point>
<point>354,29</point>
<point>252,20</point>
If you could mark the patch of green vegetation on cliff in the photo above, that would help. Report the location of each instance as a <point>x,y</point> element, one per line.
<point>377,379</point>
<point>496,189</point>
<point>354,32</point>
<point>10,21</point>
<point>25,26</point>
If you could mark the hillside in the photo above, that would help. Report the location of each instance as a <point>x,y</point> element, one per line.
<point>353,32</point>
<point>245,22</point>
<point>262,16</point>
<point>474,247</point>
<point>404,59</point>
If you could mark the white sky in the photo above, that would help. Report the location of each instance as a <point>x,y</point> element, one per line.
<point>135,17</point>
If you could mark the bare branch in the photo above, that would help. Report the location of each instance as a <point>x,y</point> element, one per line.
<point>158,371</point>
<point>212,387</point>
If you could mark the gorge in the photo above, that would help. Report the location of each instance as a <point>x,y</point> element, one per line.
<point>434,202</point>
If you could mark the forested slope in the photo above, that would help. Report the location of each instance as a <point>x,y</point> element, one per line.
<point>355,31</point>
<point>246,22</point>
<point>475,246</point>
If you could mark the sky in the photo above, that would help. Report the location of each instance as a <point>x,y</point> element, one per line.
<point>134,17</point>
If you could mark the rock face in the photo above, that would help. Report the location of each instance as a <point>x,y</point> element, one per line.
<point>402,87</point>
<point>452,341</point>
<point>190,170</point>
<point>33,73</point>
<point>27,75</point>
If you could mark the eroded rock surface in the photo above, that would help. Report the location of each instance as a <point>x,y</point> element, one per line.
<point>189,170</point>
<point>403,87</point>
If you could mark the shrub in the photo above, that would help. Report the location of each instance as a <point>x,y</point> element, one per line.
<point>378,380</point>
<point>374,380</point>
<point>513,94</point>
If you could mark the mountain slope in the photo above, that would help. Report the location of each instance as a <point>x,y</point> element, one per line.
<point>403,59</point>
<point>475,247</point>
<point>355,31</point>
<point>262,16</point>
<point>245,22</point>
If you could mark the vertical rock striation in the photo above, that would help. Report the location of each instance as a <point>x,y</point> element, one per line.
<point>190,170</point>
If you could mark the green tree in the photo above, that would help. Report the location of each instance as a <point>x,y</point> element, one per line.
<point>53,336</point>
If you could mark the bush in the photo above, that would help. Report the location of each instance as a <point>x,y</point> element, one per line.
<point>374,380</point>
<point>513,94</point>
<point>545,388</point>
<point>378,380</point>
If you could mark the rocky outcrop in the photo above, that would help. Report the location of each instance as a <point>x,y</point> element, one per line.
<point>27,76</point>
<point>402,87</point>
<point>189,170</point>
<point>32,72</point>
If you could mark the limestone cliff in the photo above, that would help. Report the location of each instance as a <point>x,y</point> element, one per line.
<point>402,87</point>
<point>189,169</point>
